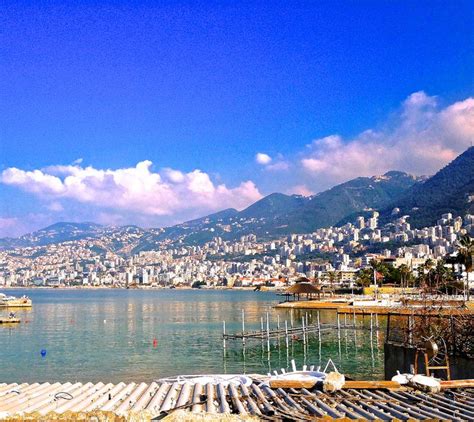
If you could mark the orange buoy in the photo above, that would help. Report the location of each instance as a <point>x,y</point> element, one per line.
<point>155,342</point>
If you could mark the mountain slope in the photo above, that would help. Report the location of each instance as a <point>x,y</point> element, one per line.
<point>56,233</point>
<point>449,190</point>
<point>279,214</point>
<point>276,214</point>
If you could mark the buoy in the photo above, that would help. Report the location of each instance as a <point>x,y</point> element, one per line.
<point>43,352</point>
<point>155,342</point>
<point>105,321</point>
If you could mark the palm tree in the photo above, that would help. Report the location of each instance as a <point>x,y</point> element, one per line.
<point>441,275</point>
<point>404,274</point>
<point>465,255</point>
<point>424,273</point>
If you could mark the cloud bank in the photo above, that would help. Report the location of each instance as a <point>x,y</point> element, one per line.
<point>135,189</point>
<point>421,138</point>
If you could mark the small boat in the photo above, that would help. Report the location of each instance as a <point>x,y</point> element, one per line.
<point>224,379</point>
<point>14,302</point>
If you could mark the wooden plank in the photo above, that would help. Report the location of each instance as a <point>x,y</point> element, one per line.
<point>291,383</point>
<point>467,383</point>
<point>371,385</point>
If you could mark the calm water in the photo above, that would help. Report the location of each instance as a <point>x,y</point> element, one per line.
<point>107,335</point>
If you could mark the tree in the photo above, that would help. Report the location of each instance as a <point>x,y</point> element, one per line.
<point>465,255</point>
<point>405,275</point>
<point>365,277</point>
<point>424,273</point>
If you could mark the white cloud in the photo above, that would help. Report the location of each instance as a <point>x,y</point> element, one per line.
<point>137,189</point>
<point>278,166</point>
<point>300,190</point>
<point>262,158</point>
<point>55,206</point>
<point>421,138</point>
<point>7,223</point>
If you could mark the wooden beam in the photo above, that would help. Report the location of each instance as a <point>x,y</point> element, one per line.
<point>370,385</point>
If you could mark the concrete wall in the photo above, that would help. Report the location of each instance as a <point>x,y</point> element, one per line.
<point>400,358</point>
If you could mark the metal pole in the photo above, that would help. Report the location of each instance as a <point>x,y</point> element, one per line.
<point>243,327</point>
<point>286,335</point>
<point>268,335</point>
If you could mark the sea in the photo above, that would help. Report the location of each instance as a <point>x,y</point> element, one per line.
<point>114,335</point>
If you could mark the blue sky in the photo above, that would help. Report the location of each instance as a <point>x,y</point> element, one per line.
<point>202,87</point>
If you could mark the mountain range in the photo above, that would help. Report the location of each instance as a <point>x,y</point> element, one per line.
<point>423,198</point>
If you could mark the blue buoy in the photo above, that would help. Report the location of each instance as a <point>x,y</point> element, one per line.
<point>43,352</point>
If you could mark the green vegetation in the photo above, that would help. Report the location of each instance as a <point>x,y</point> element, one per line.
<point>447,191</point>
<point>432,278</point>
<point>466,254</point>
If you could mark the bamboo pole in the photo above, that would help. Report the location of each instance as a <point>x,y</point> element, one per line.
<point>243,327</point>
<point>268,334</point>
<point>223,333</point>
<point>304,337</point>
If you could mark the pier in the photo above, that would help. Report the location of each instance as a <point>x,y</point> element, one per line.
<point>9,320</point>
<point>290,331</point>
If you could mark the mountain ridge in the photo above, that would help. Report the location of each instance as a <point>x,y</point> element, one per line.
<point>424,198</point>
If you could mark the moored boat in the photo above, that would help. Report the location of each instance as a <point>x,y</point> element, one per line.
<point>14,302</point>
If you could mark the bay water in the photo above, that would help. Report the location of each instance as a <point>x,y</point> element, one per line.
<point>118,335</point>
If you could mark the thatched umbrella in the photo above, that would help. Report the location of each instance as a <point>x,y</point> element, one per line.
<point>302,288</point>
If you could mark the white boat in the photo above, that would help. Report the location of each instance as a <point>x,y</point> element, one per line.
<point>14,302</point>
<point>224,379</point>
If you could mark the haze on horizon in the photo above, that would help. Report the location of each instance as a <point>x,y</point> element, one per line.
<point>153,115</point>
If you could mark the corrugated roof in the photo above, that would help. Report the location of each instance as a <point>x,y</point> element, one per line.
<point>159,398</point>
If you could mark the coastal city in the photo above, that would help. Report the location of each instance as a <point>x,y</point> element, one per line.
<point>335,256</point>
<point>237,211</point>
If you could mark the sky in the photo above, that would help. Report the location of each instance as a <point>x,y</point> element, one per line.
<point>153,113</point>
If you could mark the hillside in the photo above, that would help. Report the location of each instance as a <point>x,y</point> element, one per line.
<point>450,190</point>
<point>424,199</point>
<point>56,233</point>
<point>279,214</point>
<point>276,214</point>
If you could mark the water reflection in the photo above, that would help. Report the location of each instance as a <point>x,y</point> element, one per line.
<point>108,335</point>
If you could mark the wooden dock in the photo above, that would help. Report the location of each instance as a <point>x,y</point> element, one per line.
<point>385,310</point>
<point>312,304</point>
<point>286,333</point>
<point>144,401</point>
<point>8,320</point>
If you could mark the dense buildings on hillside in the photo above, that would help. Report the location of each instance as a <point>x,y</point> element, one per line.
<point>332,255</point>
